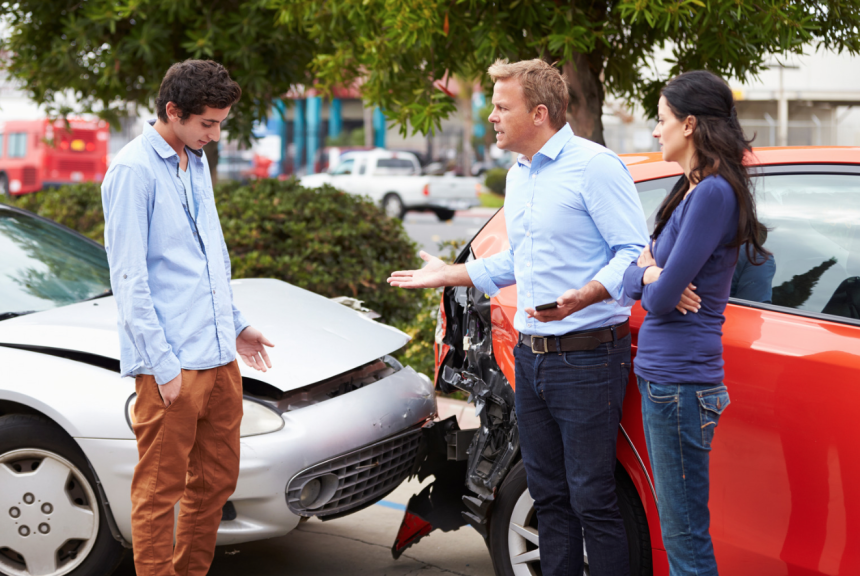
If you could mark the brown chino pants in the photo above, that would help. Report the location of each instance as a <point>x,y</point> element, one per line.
<point>188,451</point>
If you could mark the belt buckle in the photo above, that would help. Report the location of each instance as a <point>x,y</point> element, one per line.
<point>545,345</point>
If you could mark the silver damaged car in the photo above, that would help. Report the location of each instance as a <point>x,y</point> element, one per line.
<point>333,427</point>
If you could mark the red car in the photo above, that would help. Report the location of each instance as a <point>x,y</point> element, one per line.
<point>787,451</point>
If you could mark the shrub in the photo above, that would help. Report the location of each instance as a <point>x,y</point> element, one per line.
<point>322,240</point>
<point>496,179</point>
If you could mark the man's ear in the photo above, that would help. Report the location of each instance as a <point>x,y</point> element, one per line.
<point>541,115</point>
<point>173,112</point>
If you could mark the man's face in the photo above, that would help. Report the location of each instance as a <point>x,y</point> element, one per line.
<point>511,119</point>
<point>199,129</point>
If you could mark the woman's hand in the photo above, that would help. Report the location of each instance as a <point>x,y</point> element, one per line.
<point>689,301</point>
<point>646,259</point>
<point>651,274</point>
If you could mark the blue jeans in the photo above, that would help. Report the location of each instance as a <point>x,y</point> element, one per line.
<point>679,422</point>
<point>568,412</point>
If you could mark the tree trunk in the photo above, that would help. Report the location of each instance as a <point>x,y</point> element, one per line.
<point>211,150</point>
<point>585,90</point>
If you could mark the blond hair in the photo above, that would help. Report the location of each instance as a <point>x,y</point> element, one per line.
<point>541,82</point>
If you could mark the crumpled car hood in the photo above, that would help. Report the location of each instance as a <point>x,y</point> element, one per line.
<point>314,337</point>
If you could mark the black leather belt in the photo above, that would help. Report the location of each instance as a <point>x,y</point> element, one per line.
<point>576,341</point>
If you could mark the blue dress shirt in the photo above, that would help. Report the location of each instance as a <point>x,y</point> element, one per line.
<point>170,275</point>
<point>573,215</point>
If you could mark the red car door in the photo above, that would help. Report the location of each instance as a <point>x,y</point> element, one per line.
<point>786,458</point>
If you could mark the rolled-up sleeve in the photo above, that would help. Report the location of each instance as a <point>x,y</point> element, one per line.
<point>125,199</point>
<point>491,274</point>
<point>614,206</point>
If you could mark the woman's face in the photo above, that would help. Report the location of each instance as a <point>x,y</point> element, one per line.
<point>674,135</point>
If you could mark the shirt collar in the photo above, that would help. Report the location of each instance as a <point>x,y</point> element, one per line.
<point>553,146</point>
<point>160,144</point>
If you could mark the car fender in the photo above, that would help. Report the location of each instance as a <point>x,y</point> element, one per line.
<point>85,400</point>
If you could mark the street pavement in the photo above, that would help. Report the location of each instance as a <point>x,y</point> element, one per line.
<point>360,543</point>
<point>425,229</point>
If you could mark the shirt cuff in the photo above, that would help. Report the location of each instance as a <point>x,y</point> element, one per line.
<point>611,281</point>
<point>477,271</point>
<point>239,322</point>
<point>166,370</point>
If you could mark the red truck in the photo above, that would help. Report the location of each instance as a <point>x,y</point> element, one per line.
<point>38,153</point>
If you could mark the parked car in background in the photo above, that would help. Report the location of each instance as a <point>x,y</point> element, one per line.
<point>785,461</point>
<point>39,153</point>
<point>394,180</point>
<point>333,427</point>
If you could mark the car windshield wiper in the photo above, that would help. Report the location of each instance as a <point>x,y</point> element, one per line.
<point>107,292</point>
<point>7,315</point>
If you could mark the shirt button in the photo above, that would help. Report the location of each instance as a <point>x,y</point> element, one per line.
<point>528,233</point>
<point>124,276</point>
<point>528,293</point>
<point>534,175</point>
<point>213,291</point>
<point>528,263</point>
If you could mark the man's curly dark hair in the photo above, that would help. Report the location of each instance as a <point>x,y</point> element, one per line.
<point>195,84</point>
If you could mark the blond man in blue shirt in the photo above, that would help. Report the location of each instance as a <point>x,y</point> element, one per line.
<point>574,225</point>
<point>178,327</point>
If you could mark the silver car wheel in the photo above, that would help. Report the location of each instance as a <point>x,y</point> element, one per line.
<point>393,206</point>
<point>523,557</point>
<point>523,542</point>
<point>49,516</point>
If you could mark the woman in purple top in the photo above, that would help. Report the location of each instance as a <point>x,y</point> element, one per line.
<point>683,280</point>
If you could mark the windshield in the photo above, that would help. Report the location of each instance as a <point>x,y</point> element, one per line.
<point>43,266</point>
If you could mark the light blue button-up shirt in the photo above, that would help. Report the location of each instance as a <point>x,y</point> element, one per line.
<point>572,216</point>
<point>170,275</point>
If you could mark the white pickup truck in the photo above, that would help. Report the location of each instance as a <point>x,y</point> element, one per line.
<point>394,180</point>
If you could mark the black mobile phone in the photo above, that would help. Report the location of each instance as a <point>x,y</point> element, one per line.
<point>547,306</point>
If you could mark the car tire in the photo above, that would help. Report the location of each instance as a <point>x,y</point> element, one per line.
<point>50,497</point>
<point>4,186</point>
<point>393,205</point>
<point>444,214</point>
<point>513,527</point>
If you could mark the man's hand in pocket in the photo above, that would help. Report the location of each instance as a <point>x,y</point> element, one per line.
<point>170,391</point>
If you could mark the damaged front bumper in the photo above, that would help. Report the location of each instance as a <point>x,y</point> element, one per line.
<point>468,465</point>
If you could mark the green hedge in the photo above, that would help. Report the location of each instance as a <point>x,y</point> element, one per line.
<point>323,240</point>
<point>496,180</point>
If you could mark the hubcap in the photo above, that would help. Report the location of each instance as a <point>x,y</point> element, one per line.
<point>393,207</point>
<point>523,543</point>
<point>48,515</point>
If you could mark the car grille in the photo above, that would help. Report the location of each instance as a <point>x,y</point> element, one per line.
<point>74,165</point>
<point>29,178</point>
<point>363,476</point>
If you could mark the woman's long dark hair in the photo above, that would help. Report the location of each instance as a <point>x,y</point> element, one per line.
<point>720,147</point>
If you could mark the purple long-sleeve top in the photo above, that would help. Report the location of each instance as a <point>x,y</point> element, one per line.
<point>692,248</point>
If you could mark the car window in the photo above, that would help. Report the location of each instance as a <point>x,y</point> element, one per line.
<point>344,167</point>
<point>813,223</point>
<point>43,265</point>
<point>394,166</point>
<point>17,145</point>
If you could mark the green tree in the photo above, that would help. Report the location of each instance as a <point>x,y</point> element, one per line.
<point>404,48</point>
<point>100,56</point>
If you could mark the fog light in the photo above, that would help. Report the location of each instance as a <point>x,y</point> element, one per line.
<point>310,492</point>
<point>317,492</point>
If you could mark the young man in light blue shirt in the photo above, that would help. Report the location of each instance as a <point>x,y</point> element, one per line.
<point>178,327</point>
<point>574,224</point>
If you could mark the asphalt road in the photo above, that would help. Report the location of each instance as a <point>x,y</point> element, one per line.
<point>425,229</point>
<point>359,544</point>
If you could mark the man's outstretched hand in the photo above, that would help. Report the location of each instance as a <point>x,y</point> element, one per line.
<point>431,276</point>
<point>250,345</point>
